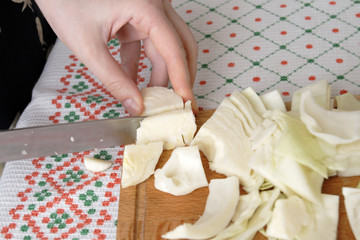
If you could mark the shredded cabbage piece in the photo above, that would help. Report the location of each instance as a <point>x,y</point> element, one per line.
<point>321,224</point>
<point>160,99</point>
<point>261,216</point>
<point>286,174</point>
<point>262,133</point>
<point>352,207</point>
<point>266,185</point>
<point>321,92</point>
<point>174,128</point>
<point>219,209</point>
<point>245,107</point>
<point>139,162</point>
<point>182,173</point>
<point>288,218</point>
<point>255,100</point>
<point>347,158</point>
<point>290,157</point>
<point>247,125</point>
<point>351,164</point>
<point>347,102</point>
<point>325,218</point>
<point>244,211</point>
<point>273,101</point>
<point>298,144</point>
<point>224,142</point>
<point>335,127</point>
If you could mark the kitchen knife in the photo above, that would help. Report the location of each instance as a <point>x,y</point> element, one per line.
<point>57,139</point>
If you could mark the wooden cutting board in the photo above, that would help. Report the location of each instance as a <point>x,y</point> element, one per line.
<point>146,213</point>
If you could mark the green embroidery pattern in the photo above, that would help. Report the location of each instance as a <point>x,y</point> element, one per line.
<point>89,197</point>
<point>59,158</point>
<point>81,86</point>
<point>104,155</point>
<point>72,117</point>
<point>73,176</point>
<point>94,99</point>
<point>111,114</point>
<point>41,196</point>
<point>58,220</point>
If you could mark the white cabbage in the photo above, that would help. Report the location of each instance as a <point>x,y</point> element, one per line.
<point>347,102</point>
<point>227,147</point>
<point>253,119</point>
<point>244,211</point>
<point>273,101</point>
<point>324,221</point>
<point>335,127</point>
<point>255,100</point>
<point>352,207</point>
<point>286,174</point>
<point>288,218</point>
<point>298,144</point>
<point>219,209</point>
<point>160,99</point>
<point>319,90</point>
<point>182,173</point>
<point>139,162</point>
<point>174,128</point>
<point>261,216</point>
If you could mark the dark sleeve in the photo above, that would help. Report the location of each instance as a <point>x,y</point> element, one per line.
<point>23,54</point>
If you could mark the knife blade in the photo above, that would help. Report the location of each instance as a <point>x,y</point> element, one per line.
<point>58,139</point>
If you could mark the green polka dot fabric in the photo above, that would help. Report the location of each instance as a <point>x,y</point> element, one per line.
<point>263,44</point>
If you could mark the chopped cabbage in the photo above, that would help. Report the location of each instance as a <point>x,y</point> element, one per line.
<point>348,156</point>
<point>347,102</point>
<point>219,209</point>
<point>288,218</point>
<point>160,99</point>
<point>244,211</point>
<point>319,90</point>
<point>226,145</point>
<point>352,207</point>
<point>261,216</point>
<point>240,101</point>
<point>139,162</point>
<point>287,174</point>
<point>247,125</point>
<point>182,173</point>
<point>263,132</point>
<point>325,218</point>
<point>273,101</point>
<point>174,128</point>
<point>255,100</point>
<point>298,144</point>
<point>335,127</point>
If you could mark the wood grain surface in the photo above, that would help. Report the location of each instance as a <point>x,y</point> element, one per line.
<point>146,213</point>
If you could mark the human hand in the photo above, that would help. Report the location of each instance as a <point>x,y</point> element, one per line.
<point>86,26</point>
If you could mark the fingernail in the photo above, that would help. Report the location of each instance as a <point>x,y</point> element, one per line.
<point>132,106</point>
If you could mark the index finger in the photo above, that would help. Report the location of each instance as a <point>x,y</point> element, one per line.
<point>169,45</point>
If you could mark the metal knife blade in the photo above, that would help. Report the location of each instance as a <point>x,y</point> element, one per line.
<point>57,139</point>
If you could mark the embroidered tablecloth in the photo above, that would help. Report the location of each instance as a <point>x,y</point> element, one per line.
<point>263,44</point>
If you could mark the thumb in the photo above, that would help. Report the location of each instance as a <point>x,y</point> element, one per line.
<point>99,60</point>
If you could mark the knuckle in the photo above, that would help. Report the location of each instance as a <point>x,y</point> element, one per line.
<point>115,87</point>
